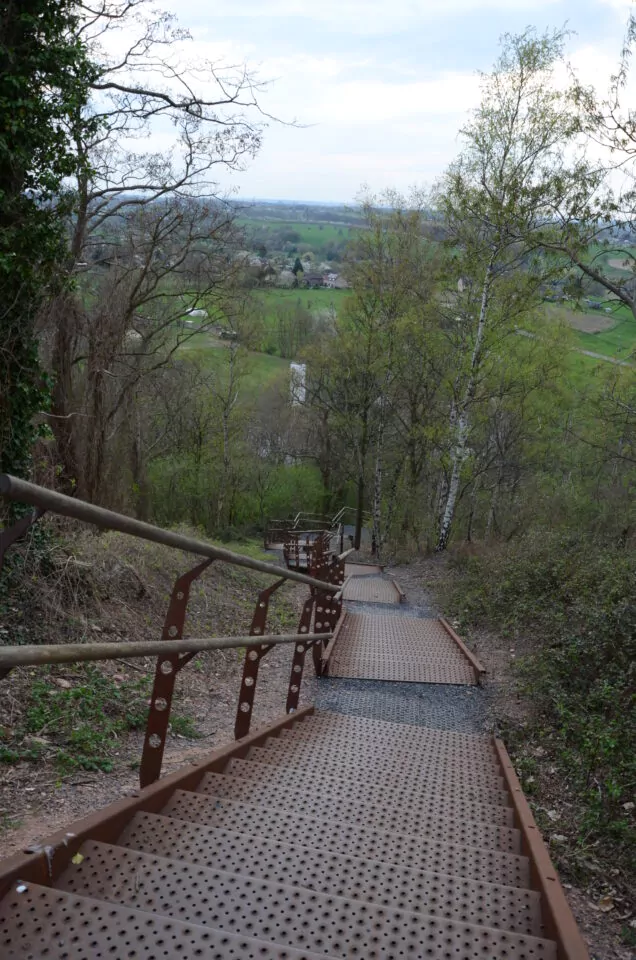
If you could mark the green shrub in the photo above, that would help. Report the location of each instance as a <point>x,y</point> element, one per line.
<point>576,598</point>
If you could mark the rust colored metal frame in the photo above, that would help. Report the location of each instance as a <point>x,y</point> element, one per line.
<point>330,646</point>
<point>298,662</point>
<point>44,862</point>
<point>253,657</point>
<point>165,675</point>
<point>296,675</point>
<point>476,664</point>
<point>560,925</point>
<point>328,606</point>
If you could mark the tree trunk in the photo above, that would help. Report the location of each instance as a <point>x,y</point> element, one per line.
<point>359,508</point>
<point>459,450</point>
<point>459,454</point>
<point>376,545</point>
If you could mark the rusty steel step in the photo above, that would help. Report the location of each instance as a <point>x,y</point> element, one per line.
<point>39,923</point>
<point>369,784</point>
<point>421,755</point>
<point>344,837</point>
<point>390,765</point>
<point>394,813</point>
<point>262,764</point>
<point>352,877</point>
<point>404,649</point>
<point>280,913</point>
<point>431,854</point>
<point>343,726</point>
<point>456,830</point>
<point>355,569</point>
<point>366,589</point>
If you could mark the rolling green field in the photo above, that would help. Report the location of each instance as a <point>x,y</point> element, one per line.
<point>309,299</point>
<point>611,261</point>
<point>262,369</point>
<point>317,235</point>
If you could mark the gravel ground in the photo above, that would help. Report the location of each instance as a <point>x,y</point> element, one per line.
<point>443,706</point>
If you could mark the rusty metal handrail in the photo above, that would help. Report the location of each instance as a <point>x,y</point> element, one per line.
<point>41,655</point>
<point>14,489</point>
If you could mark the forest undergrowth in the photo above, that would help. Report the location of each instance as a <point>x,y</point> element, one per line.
<point>571,600</point>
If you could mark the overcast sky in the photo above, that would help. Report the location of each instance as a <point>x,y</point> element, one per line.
<point>382,86</point>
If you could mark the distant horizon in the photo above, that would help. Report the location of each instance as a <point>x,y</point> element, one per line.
<point>290,202</point>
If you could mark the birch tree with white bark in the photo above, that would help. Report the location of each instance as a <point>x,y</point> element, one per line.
<point>496,199</point>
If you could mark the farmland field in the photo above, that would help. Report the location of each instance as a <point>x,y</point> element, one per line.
<point>316,235</point>
<point>615,334</point>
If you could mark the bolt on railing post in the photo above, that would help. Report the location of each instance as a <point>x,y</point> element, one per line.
<point>328,609</point>
<point>253,657</point>
<point>300,649</point>
<point>165,675</point>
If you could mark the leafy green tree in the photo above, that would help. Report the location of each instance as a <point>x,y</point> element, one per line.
<point>297,268</point>
<point>44,73</point>
<point>496,199</point>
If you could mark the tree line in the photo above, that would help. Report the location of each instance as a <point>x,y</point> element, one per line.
<point>439,397</point>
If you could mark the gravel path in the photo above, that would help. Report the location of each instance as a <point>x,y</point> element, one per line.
<point>443,706</point>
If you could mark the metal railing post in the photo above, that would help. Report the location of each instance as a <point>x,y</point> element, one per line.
<point>165,676</point>
<point>252,661</point>
<point>300,649</point>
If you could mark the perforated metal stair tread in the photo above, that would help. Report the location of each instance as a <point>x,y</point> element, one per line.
<point>327,719</point>
<point>362,838</point>
<point>422,753</point>
<point>343,837</point>
<point>255,768</point>
<point>341,748</point>
<point>343,726</point>
<point>44,923</point>
<point>385,884</point>
<point>402,808</point>
<point>430,827</point>
<point>387,764</point>
<point>354,569</point>
<point>367,589</point>
<point>404,649</point>
<point>321,922</point>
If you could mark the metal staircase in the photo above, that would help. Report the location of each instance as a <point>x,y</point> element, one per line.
<point>322,835</point>
<point>336,836</point>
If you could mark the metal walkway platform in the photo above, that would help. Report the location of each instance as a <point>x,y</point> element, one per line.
<point>370,589</point>
<point>416,650</point>
<point>336,836</point>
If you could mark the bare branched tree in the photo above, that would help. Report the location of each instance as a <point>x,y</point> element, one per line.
<point>153,239</point>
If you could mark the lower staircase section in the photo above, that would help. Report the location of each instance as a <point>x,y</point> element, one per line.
<point>336,836</point>
<point>407,649</point>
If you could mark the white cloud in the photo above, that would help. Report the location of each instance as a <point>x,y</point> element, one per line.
<point>368,116</point>
<point>360,16</point>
